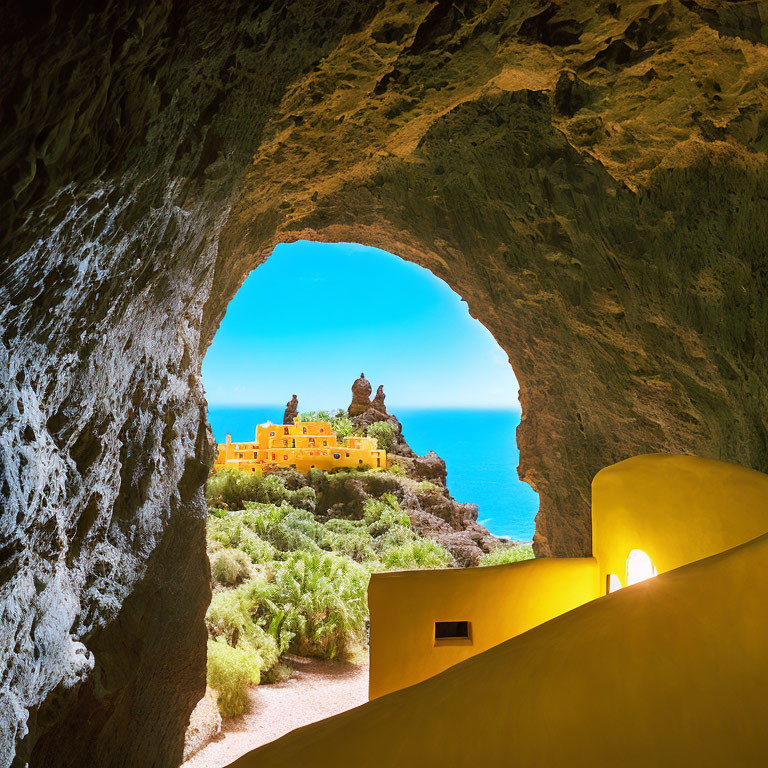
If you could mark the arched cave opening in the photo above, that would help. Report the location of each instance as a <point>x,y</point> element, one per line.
<point>445,495</point>
<point>153,154</point>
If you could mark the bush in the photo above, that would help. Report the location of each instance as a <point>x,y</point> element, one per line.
<point>255,547</point>
<point>502,555</point>
<point>425,486</point>
<point>340,422</point>
<point>231,488</point>
<point>230,618</point>
<point>320,600</point>
<point>231,671</point>
<point>285,528</point>
<point>230,566</point>
<point>394,467</point>
<point>354,544</point>
<point>384,434</point>
<point>381,514</point>
<point>416,553</point>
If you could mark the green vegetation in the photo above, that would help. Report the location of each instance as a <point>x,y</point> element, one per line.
<point>384,434</point>
<point>231,488</point>
<point>503,555</point>
<point>230,566</point>
<point>287,581</point>
<point>231,672</point>
<point>340,422</point>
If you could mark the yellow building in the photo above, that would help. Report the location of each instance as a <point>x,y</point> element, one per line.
<point>303,445</point>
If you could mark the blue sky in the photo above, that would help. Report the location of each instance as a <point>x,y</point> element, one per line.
<point>315,315</point>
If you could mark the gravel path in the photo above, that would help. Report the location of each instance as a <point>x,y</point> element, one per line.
<point>317,689</point>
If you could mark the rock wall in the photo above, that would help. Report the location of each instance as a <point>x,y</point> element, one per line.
<point>589,176</point>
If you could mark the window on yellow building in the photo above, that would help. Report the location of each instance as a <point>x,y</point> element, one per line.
<point>285,430</point>
<point>304,430</point>
<point>325,442</point>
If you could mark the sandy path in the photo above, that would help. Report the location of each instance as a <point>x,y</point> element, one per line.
<point>317,689</point>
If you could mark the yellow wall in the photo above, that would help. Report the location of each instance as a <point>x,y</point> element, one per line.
<point>669,673</point>
<point>500,602</point>
<point>677,509</point>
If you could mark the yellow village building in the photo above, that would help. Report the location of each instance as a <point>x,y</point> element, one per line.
<point>303,445</point>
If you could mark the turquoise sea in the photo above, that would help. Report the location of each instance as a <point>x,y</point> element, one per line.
<point>478,447</point>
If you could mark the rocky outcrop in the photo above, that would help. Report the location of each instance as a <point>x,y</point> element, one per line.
<point>422,493</point>
<point>291,410</point>
<point>377,404</point>
<point>591,177</point>
<point>433,512</point>
<point>361,396</point>
<point>365,412</point>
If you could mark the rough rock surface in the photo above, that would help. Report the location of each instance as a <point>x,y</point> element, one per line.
<point>291,410</point>
<point>591,177</point>
<point>375,410</point>
<point>361,396</point>
<point>378,400</point>
<point>204,724</point>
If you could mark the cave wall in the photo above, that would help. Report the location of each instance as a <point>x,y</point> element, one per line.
<point>590,177</point>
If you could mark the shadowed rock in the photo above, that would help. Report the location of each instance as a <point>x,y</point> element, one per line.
<point>291,410</point>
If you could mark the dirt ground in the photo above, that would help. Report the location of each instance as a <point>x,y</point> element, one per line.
<point>316,690</point>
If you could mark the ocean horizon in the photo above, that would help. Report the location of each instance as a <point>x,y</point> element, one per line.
<point>478,446</point>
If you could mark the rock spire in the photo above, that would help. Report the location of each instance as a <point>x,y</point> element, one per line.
<point>361,396</point>
<point>291,410</point>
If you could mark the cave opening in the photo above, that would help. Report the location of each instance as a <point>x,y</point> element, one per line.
<point>300,328</point>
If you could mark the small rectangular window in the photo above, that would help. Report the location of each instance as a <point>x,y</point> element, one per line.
<point>453,633</point>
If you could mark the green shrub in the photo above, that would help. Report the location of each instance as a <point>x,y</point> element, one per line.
<point>425,486</point>
<point>340,422</point>
<point>231,672</point>
<point>231,488</point>
<point>381,514</point>
<point>394,467</point>
<point>320,600</point>
<point>230,566</point>
<point>416,553</point>
<point>354,544</point>
<point>343,427</point>
<point>231,618</point>
<point>285,528</point>
<point>384,434</point>
<point>255,547</point>
<point>393,537</point>
<point>502,555</point>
